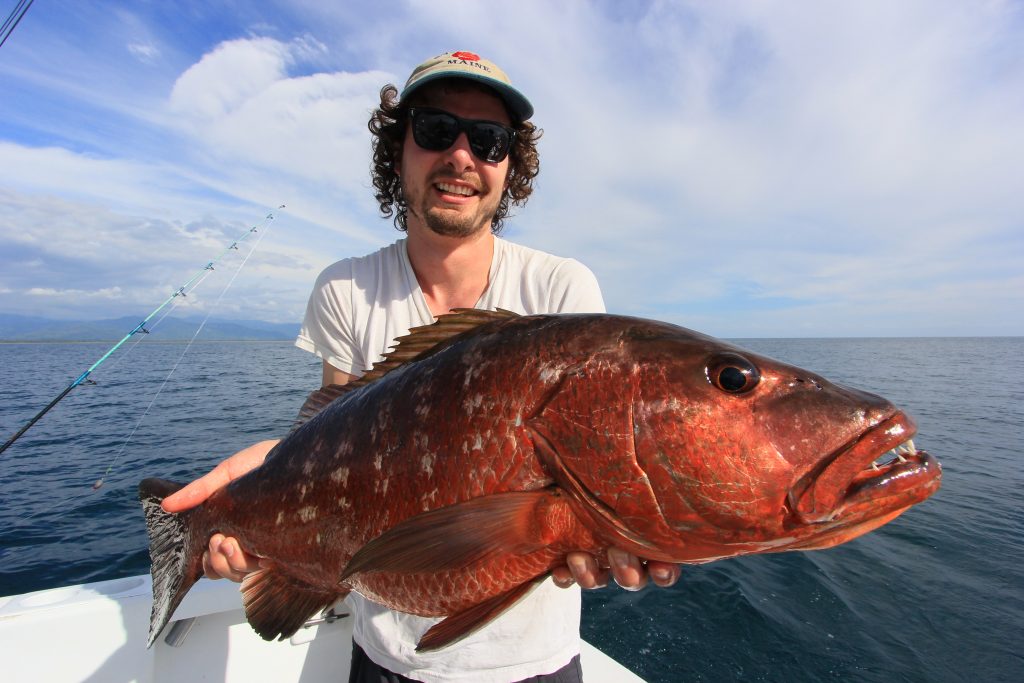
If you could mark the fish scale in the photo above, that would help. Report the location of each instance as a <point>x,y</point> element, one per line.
<point>465,466</point>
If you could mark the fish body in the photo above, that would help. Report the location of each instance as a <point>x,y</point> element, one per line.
<point>463,468</point>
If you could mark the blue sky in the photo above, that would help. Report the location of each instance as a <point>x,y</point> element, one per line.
<point>745,169</point>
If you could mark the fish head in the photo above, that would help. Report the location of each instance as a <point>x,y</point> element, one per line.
<point>724,452</point>
<point>757,455</point>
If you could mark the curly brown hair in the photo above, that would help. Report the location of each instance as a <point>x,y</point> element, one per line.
<point>387,125</point>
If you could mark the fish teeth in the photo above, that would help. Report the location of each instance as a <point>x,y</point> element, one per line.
<point>905,448</point>
<point>897,453</point>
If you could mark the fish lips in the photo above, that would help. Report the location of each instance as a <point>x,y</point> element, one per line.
<point>849,486</point>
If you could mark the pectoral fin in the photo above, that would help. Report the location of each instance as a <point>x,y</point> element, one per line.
<point>460,625</point>
<point>461,535</point>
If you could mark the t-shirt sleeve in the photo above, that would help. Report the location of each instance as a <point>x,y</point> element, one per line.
<point>574,289</point>
<point>326,329</point>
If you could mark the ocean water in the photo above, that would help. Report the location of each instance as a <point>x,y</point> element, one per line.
<point>937,595</point>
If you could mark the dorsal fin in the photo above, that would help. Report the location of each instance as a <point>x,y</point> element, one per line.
<point>317,401</point>
<point>425,339</point>
<point>419,343</point>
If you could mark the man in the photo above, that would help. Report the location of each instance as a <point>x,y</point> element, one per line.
<point>451,155</point>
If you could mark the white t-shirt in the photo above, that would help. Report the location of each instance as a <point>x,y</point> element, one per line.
<point>357,308</point>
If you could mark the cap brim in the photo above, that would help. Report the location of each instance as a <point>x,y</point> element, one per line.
<point>518,106</point>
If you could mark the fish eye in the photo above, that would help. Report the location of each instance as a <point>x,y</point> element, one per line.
<point>732,373</point>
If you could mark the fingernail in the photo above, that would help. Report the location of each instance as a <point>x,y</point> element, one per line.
<point>563,583</point>
<point>577,564</point>
<point>228,549</point>
<point>631,589</point>
<point>618,558</point>
<point>661,574</point>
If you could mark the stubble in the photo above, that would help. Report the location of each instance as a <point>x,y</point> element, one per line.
<point>452,222</point>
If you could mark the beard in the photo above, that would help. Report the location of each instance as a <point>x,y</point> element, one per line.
<point>451,222</point>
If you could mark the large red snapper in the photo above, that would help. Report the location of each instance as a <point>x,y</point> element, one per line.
<point>487,446</point>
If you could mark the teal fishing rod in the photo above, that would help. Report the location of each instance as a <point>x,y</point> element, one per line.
<point>182,291</point>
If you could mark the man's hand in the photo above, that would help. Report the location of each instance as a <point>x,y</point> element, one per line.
<point>626,568</point>
<point>224,559</point>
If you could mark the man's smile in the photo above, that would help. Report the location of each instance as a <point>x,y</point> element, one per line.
<point>451,188</point>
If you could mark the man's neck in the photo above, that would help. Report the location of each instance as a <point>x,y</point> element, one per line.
<point>452,271</point>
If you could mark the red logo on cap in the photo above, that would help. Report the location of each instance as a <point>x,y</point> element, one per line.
<point>468,56</point>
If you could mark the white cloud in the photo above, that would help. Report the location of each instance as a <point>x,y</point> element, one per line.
<point>145,52</point>
<point>106,293</point>
<point>312,127</point>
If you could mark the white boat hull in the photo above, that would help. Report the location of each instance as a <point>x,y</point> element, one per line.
<point>97,632</point>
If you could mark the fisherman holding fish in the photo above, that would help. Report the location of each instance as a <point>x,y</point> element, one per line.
<point>452,153</point>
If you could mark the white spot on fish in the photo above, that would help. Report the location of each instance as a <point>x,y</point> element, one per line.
<point>378,461</point>
<point>280,518</point>
<point>340,476</point>
<point>308,513</point>
<point>478,443</point>
<point>307,467</point>
<point>427,464</point>
<point>548,374</point>
<point>471,404</point>
<point>343,503</point>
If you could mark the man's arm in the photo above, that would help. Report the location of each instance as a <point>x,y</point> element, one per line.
<point>333,375</point>
<point>224,558</point>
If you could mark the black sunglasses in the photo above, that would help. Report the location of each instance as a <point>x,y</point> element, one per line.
<point>436,130</point>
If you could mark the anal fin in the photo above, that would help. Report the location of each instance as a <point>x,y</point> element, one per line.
<point>276,605</point>
<point>458,626</point>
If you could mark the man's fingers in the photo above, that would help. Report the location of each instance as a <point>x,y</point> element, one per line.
<point>585,570</point>
<point>223,474</point>
<point>663,574</point>
<point>562,577</point>
<point>196,492</point>
<point>225,559</point>
<point>627,570</point>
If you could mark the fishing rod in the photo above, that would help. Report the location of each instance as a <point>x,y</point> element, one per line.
<point>182,291</point>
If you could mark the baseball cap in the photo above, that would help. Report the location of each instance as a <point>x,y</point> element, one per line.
<point>469,65</point>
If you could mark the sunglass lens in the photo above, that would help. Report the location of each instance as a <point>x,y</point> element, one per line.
<point>488,141</point>
<point>435,131</point>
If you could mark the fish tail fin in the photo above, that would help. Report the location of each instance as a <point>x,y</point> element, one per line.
<point>175,553</point>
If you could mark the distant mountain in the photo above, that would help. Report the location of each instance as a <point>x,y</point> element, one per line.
<point>32,328</point>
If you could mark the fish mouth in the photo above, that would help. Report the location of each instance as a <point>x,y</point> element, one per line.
<point>877,476</point>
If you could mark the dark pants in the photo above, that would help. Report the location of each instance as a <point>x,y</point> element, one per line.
<point>365,670</point>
